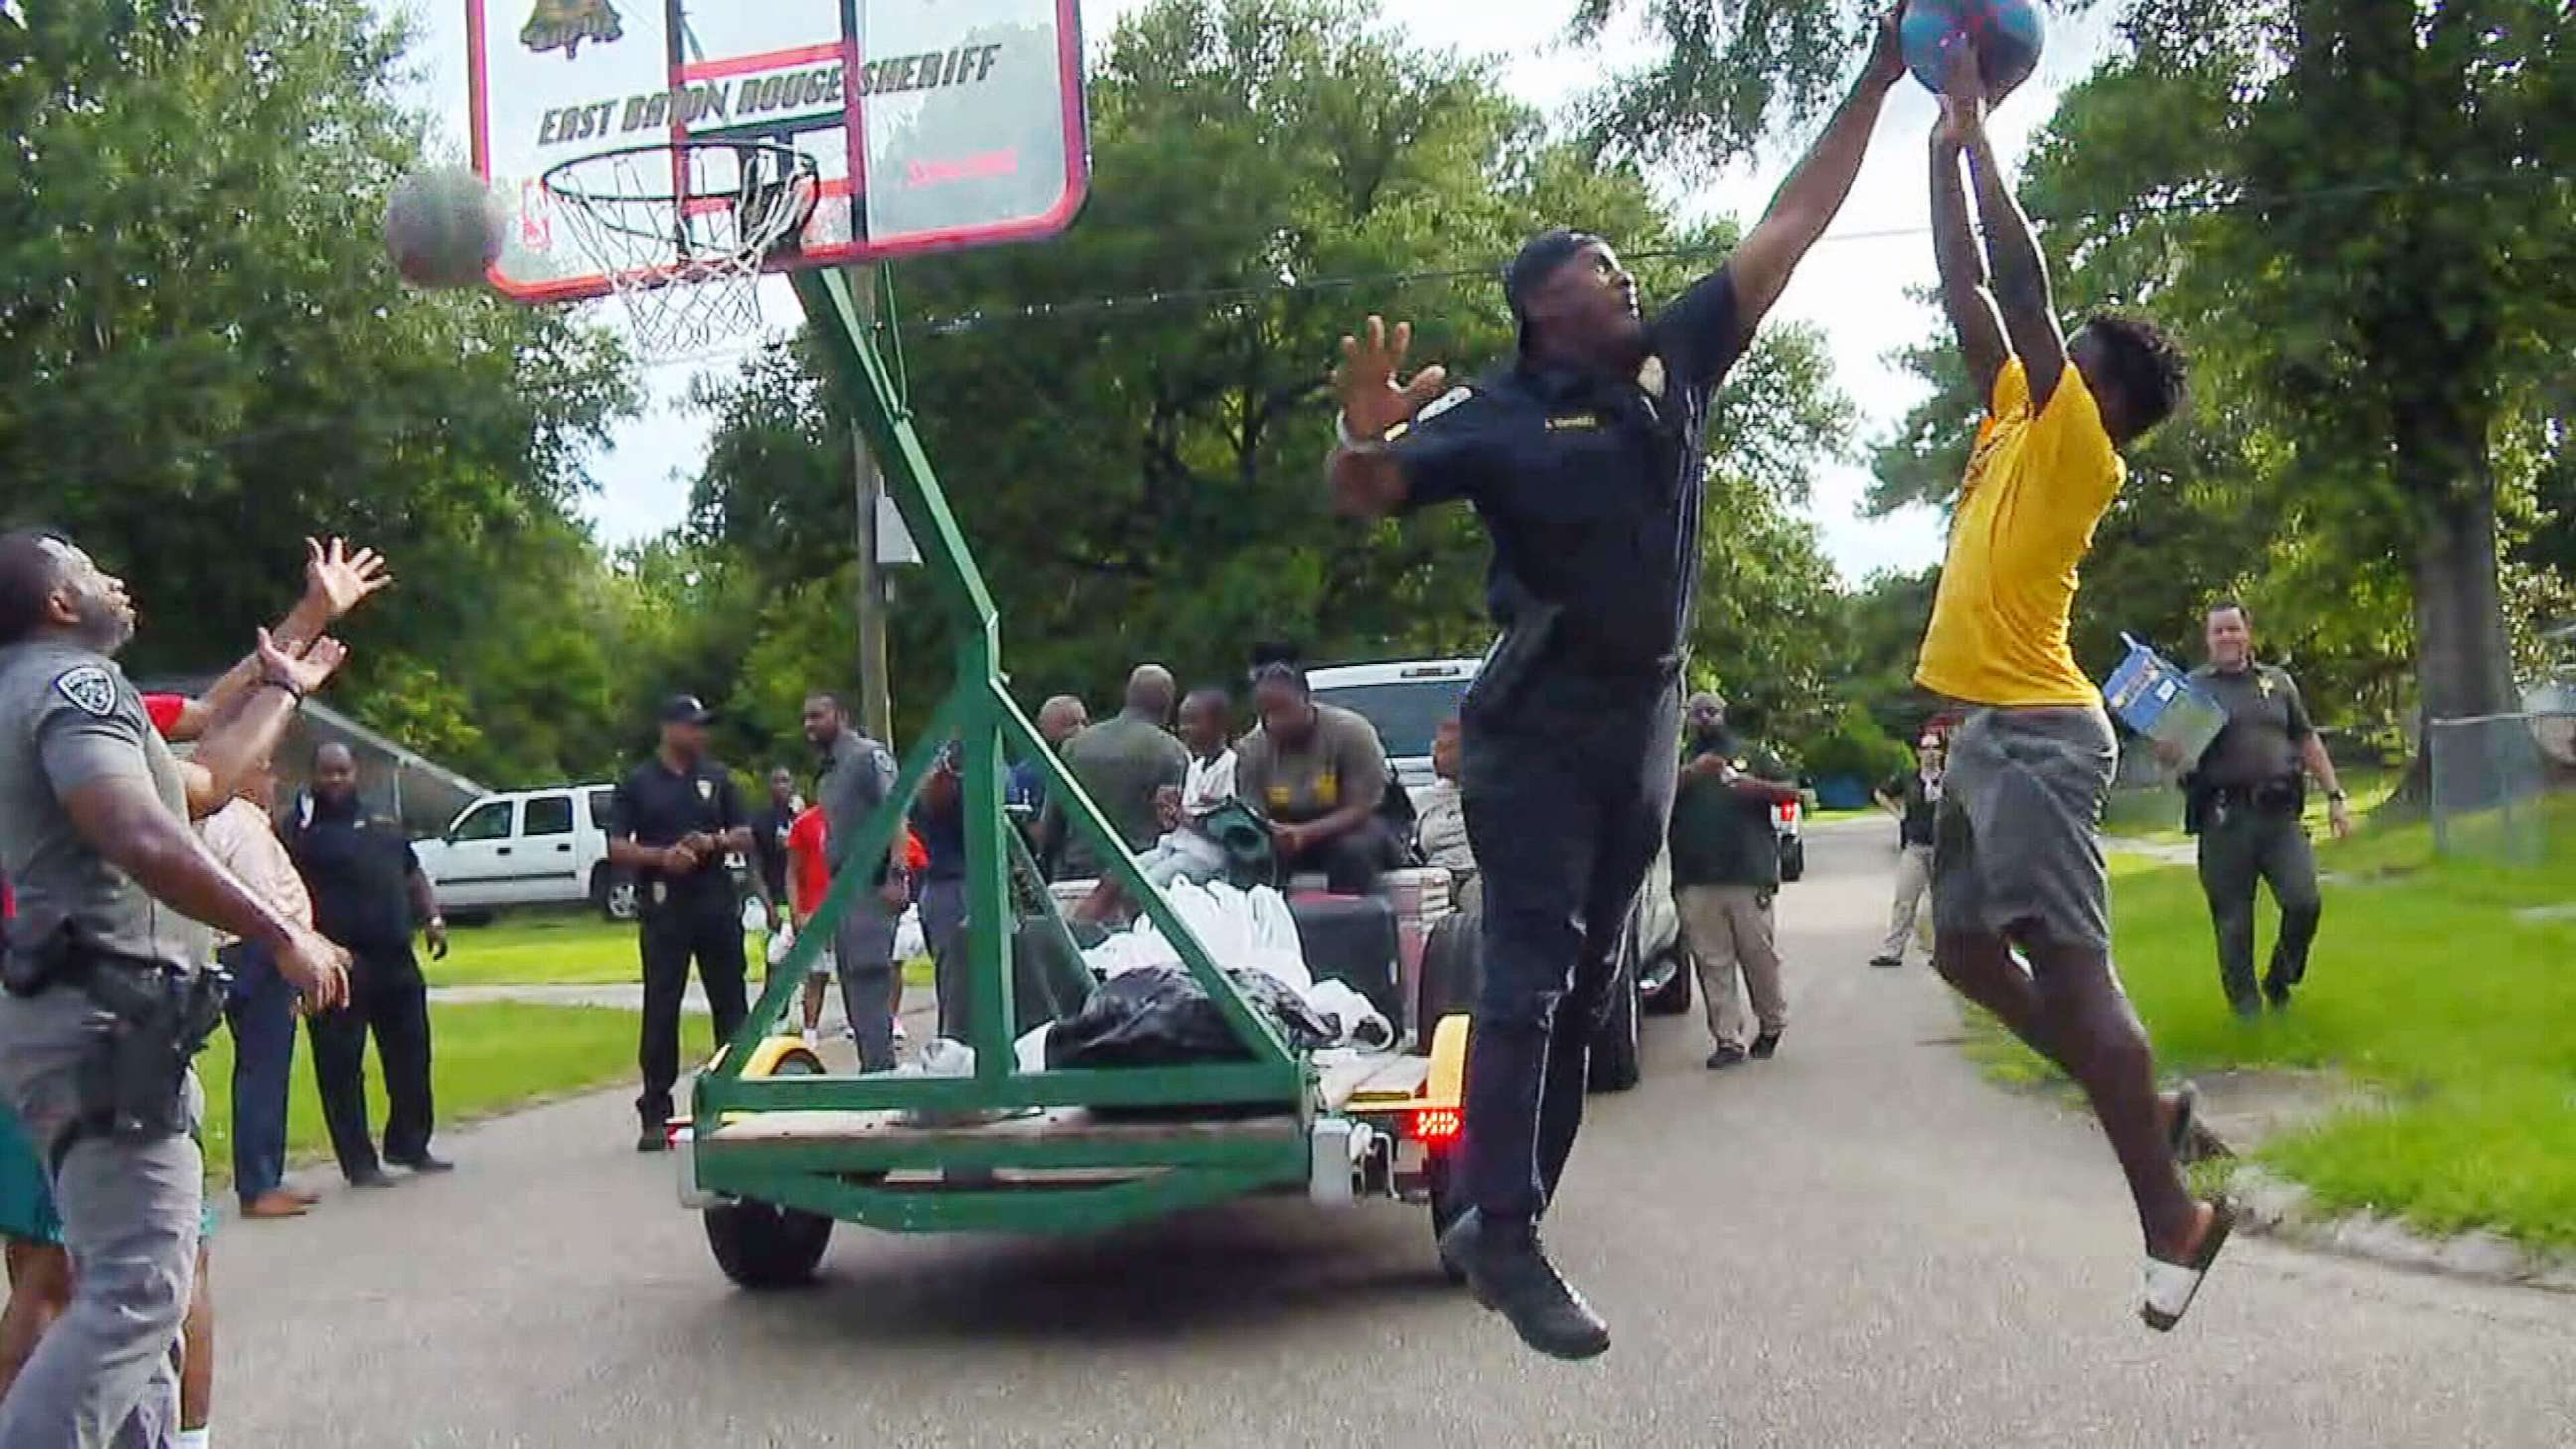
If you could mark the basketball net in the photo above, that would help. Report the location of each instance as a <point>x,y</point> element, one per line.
<point>681,230</point>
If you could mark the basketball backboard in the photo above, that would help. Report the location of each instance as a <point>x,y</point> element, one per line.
<point>965,127</point>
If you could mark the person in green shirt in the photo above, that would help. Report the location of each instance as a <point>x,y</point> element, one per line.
<point>1726,869</point>
<point>1120,762</point>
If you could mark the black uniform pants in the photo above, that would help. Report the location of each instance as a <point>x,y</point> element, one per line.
<point>1567,801</point>
<point>1354,863</point>
<point>671,938</point>
<point>387,997</point>
<point>2240,845</point>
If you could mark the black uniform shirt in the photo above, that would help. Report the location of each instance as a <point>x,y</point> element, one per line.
<point>1590,487</point>
<point>2266,724</point>
<point>358,869</point>
<point>769,846</point>
<point>658,807</point>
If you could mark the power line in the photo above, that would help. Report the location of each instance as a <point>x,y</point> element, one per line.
<point>1289,285</point>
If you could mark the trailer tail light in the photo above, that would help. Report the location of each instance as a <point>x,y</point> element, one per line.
<point>1436,1127</point>
<point>1787,813</point>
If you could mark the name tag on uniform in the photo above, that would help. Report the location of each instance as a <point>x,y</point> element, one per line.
<point>1575,423</point>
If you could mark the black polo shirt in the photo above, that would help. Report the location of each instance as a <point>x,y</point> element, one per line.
<point>657,806</point>
<point>769,846</point>
<point>358,870</point>
<point>1590,486</point>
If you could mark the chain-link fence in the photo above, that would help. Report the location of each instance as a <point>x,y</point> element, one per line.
<point>2493,778</point>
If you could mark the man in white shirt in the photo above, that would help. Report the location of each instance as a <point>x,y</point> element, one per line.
<point>260,1005</point>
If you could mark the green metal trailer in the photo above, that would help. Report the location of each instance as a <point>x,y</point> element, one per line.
<point>774,1150</point>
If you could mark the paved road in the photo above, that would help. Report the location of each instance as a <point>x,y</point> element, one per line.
<point>1858,1244</point>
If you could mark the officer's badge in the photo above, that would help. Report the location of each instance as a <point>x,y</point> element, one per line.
<point>564,24</point>
<point>90,687</point>
<point>2263,685</point>
<point>1650,376</point>
<point>706,789</point>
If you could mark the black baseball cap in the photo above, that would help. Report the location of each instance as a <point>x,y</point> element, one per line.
<point>1539,258</point>
<point>686,709</point>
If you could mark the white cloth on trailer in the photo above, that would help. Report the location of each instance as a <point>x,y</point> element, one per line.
<point>1242,930</point>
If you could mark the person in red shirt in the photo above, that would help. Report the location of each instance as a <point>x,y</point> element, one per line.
<point>809,878</point>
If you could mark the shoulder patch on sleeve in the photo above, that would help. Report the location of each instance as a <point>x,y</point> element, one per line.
<point>1444,402</point>
<point>89,686</point>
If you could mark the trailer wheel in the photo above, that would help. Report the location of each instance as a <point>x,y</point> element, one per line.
<point>1451,970</point>
<point>1446,1207</point>
<point>762,1245</point>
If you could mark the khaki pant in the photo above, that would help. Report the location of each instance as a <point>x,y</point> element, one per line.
<point>1913,878</point>
<point>1728,931</point>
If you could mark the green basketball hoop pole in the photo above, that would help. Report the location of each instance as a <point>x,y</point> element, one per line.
<point>865,363</point>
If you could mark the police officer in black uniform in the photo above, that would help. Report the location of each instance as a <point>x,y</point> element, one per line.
<point>1586,458</point>
<point>674,821</point>
<point>2244,799</point>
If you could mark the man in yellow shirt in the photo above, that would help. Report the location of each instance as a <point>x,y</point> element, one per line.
<point>2017,855</point>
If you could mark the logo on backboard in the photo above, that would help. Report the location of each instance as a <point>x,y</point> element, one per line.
<point>564,24</point>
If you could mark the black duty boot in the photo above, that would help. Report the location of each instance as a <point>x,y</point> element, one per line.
<point>1510,1274</point>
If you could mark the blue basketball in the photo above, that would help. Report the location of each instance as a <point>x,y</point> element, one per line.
<point>2008,35</point>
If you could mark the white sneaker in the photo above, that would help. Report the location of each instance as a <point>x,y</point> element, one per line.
<point>900,1035</point>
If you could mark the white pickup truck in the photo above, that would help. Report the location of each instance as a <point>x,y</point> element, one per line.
<point>546,847</point>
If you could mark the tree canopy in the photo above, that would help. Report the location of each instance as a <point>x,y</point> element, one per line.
<point>1129,420</point>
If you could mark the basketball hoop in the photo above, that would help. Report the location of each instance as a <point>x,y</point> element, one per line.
<point>682,228</point>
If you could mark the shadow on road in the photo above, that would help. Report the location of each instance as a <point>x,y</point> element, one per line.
<point>1233,1266</point>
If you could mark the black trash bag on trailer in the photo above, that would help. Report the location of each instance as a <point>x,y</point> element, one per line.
<point>1159,1016</point>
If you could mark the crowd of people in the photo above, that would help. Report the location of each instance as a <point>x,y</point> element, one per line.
<point>1572,763</point>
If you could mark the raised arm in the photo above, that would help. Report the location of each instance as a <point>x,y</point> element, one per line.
<point>336,580</point>
<point>1367,480</point>
<point>249,731</point>
<point>1964,297</point>
<point>2020,275</point>
<point>1807,201</point>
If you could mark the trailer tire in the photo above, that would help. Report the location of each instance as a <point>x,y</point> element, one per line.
<point>763,1246</point>
<point>1452,968</point>
<point>1793,858</point>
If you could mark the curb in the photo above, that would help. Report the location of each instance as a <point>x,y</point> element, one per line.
<point>2272,1206</point>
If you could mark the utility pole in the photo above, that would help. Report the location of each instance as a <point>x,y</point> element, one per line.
<point>876,699</point>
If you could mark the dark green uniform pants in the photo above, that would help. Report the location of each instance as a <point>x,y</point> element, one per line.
<point>2239,846</point>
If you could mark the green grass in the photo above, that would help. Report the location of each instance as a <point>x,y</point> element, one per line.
<point>487,1058</point>
<point>2155,816</point>
<point>538,949</point>
<point>565,950</point>
<point>2424,987</point>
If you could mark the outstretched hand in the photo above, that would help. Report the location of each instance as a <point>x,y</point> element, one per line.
<point>338,580</point>
<point>1372,400</point>
<point>1887,50</point>
<point>304,668</point>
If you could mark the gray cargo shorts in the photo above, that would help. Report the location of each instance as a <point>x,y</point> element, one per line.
<point>2017,842</point>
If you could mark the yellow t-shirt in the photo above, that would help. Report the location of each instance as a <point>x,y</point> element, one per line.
<point>2035,488</point>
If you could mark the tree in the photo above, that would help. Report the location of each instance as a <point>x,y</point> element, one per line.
<point>2358,212</point>
<point>1139,476</point>
<point>210,358</point>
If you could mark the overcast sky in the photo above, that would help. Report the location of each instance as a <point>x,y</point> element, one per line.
<point>1853,286</point>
